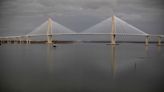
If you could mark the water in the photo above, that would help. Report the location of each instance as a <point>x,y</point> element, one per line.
<point>81,67</point>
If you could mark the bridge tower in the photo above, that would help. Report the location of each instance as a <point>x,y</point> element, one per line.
<point>49,31</point>
<point>113,35</point>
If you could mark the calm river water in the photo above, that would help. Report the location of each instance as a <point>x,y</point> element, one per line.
<point>81,67</point>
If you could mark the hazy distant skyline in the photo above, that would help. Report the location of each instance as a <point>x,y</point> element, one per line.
<point>22,16</point>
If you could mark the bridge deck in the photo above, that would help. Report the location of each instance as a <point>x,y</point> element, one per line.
<point>119,34</point>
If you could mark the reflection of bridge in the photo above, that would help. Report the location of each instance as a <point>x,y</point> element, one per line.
<point>112,26</point>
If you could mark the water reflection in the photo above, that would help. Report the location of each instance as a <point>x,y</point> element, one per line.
<point>159,49</point>
<point>50,58</point>
<point>135,66</point>
<point>129,59</point>
<point>146,50</point>
<point>114,62</point>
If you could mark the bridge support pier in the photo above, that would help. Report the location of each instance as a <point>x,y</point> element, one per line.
<point>20,40</point>
<point>7,40</point>
<point>113,41</point>
<point>27,39</point>
<point>49,39</point>
<point>159,41</point>
<point>147,40</point>
<point>16,40</point>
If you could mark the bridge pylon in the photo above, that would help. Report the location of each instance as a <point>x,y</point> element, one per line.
<point>113,35</point>
<point>49,31</point>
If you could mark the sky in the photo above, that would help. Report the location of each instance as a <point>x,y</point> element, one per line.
<point>19,17</point>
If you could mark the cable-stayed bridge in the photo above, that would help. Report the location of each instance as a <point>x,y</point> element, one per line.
<point>112,26</point>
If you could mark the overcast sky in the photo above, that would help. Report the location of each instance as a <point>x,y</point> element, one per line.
<point>22,16</point>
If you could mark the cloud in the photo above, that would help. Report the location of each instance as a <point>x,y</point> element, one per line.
<point>77,10</point>
<point>94,7</point>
